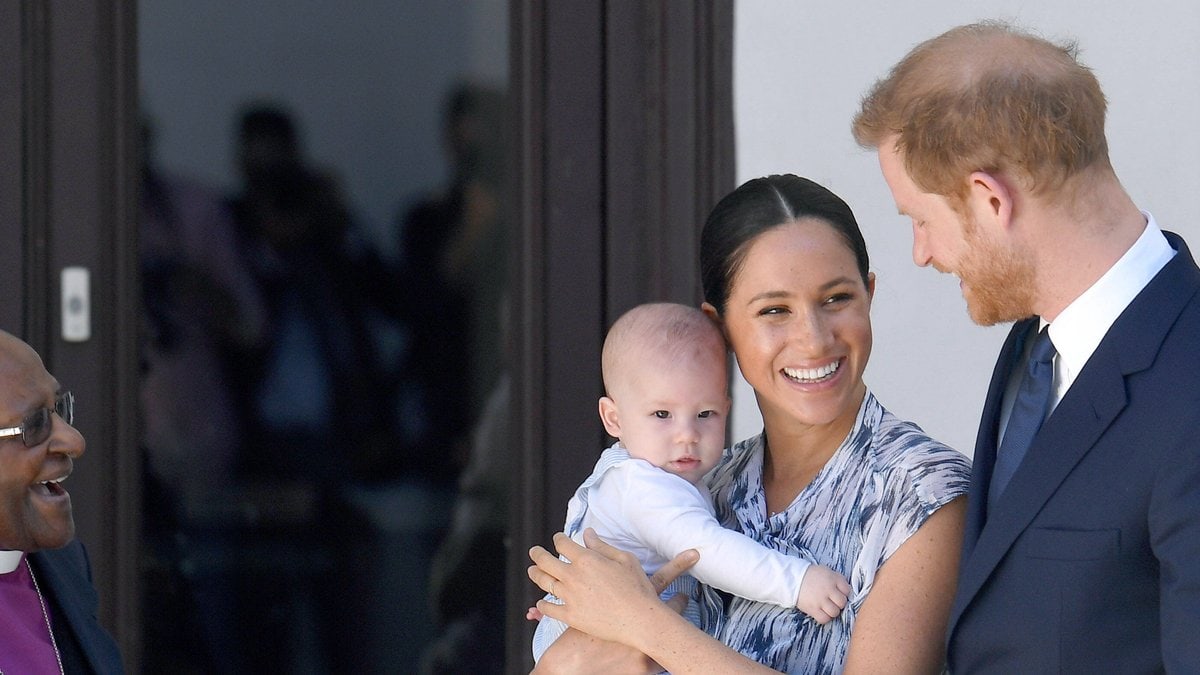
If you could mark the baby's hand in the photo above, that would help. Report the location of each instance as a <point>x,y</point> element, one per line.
<point>534,615</point>
<point>823,594</point>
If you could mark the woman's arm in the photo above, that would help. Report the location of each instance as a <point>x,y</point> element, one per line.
<point>606,595</point>
<point>576,652</point>
<point>901,626</point>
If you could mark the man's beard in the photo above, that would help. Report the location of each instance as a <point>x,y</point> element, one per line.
<point>998,283</point>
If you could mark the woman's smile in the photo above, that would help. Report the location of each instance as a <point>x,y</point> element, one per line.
<point>818,375</point>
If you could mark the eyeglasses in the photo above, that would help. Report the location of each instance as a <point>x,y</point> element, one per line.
<point>35,428</point>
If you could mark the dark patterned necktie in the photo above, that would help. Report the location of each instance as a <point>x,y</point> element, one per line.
<point>1028,412</point>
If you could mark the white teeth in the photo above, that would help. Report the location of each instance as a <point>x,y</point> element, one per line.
<point>812,374</point>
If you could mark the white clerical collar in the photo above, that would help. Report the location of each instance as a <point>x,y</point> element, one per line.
<point>1078,329</point>
<point>9,560</point>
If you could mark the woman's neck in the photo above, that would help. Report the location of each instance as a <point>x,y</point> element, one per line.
<point>796,452</point>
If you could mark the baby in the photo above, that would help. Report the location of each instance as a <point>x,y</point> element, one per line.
<point>664,369</point>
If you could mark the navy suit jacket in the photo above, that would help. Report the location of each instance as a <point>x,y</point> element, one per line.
<point>65,579</point>
<point>1090,560</point>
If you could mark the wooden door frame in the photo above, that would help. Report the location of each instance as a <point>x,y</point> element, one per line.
<point>624,119</point>
<point>67,127</point>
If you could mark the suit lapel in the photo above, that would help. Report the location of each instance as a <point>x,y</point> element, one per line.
<point>985,442</point>
<point>1090,406</point>
<point>74,603</point>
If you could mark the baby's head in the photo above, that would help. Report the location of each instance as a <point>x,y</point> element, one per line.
<point>667,387</point>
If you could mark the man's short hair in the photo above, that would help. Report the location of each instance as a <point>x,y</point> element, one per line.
<point>988,97</point>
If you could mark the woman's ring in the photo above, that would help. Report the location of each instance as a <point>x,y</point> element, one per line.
<point>552,588</point>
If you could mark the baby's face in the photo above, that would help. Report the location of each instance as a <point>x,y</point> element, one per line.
<point>673,416</point>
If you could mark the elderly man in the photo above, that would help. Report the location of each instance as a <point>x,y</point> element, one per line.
<point>47,602</point>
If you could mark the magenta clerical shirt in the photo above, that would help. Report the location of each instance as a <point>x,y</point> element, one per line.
<point>25,644</point>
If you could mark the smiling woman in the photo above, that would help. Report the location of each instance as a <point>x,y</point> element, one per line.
<point>799,321</point>
<point>833,477</point>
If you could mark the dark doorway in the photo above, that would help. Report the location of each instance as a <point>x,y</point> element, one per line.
<point>323,251</point>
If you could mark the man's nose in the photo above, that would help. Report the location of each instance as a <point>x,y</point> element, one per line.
<point>920,250</point>
<point>66,439</point>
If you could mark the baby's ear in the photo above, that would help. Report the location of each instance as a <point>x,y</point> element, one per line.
<point>610,416</point>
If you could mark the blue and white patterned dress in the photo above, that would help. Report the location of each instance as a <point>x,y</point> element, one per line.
<point>881,485</point>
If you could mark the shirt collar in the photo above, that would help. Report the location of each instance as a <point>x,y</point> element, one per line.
<point>9,560</point>
<point>1080,327</point>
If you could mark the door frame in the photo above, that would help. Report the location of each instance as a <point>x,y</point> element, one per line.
<point>68,195</point>
<point>624,119</point>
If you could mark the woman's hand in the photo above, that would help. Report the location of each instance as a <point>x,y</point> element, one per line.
<point>579,652</point>
<point>604,591</point>
<point>606,595</point>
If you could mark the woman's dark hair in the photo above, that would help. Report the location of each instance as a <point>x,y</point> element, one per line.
<point>763,204</point>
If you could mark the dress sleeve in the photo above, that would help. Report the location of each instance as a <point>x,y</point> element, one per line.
<point>912,492</point>
<point>669,515</point>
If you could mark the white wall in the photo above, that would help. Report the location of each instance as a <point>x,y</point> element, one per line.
<point>800,69</point>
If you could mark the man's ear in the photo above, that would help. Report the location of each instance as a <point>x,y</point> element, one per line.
<point>610,417</point>
<point>990,200</point>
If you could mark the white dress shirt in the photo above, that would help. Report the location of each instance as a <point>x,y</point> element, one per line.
<point>1080,327</point>
<point>9,560</point>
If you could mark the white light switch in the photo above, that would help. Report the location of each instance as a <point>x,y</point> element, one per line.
<point>76,304</point>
